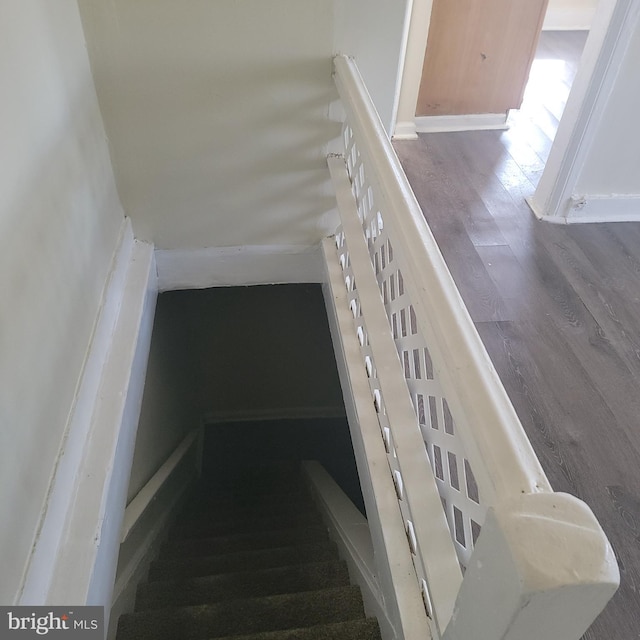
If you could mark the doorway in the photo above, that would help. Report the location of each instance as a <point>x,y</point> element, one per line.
<point>553,71</point>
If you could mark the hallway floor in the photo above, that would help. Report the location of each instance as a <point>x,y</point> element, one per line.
<point>557,307</point>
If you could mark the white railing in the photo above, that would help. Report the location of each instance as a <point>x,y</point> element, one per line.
<point>473,497</point>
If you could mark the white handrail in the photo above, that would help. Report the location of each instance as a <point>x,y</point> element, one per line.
<point>145,496</point>
<point>498,443</point>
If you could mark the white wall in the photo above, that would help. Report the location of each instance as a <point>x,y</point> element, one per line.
<point>217,111</point>
<point>217,117</point>
<point>613,161</point>
<point>569,14</point>
<point>59,222</point>
<point>373,31</point>
<point>170,405</point>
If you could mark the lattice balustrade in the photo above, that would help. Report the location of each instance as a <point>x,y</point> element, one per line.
<point>441,408</point>
<point>378,401</point>
<point>450,465</point>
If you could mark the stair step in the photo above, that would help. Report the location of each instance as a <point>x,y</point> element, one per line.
<point>204,499</point>
<point>264,477</point>
<point>242,561</point>
<point>361,629</point>
<point>210,526</point>
<point>249,584</point>
<point>244,511</point>
<point>242,541</point>
<point>245,616</point>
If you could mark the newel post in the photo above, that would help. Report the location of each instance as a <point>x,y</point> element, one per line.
<point>542,568</point>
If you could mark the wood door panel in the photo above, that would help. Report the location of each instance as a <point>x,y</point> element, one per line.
<point>478,55</point>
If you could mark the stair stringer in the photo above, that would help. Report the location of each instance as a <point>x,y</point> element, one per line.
<point>405,615</point>
<point>349,529</point>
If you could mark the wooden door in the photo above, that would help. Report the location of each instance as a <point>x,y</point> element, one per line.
<point>478,55</point>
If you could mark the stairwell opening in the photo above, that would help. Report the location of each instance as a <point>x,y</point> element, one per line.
<point>256,366</point>
<point>243,551</point>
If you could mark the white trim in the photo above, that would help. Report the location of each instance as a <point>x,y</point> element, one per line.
<point>405,131</point>
<point>349,529</point>
<point>574,19</point>
<point>41,564</point>
<point>237,266</point>
<point>82,570</point>
<point>145,496</point>
<point>419,18</point>
<point>281,413</point>
<point>467,122</point>
<point>596,208</point>
<point>136,568</point>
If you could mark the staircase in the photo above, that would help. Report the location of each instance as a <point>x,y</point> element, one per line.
<point>249,560</point>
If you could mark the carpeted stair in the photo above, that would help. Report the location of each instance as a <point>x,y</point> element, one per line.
<point>250,561</point>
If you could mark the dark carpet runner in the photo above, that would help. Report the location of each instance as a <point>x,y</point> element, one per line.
<point>249,561</point>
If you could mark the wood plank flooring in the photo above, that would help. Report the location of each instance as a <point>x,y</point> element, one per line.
<point>557,307</point>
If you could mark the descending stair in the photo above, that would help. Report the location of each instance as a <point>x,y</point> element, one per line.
<point>249,561</point>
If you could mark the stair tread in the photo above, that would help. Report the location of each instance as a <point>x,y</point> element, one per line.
<point>209,526</point>
<point>252,561</point>
<point>243,560</point>
<point>236,515</point>
<point>229,586</point>
<point>244,616</point>
<point>253,540</point>
<point>222,497</point>
<point>360,629</point>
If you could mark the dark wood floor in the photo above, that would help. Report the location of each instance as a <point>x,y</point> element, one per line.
<point>558,308</point>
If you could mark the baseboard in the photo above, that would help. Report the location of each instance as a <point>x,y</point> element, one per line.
<point>237,266</point>
<point>469,122</point>
<point>591,209</point>
<point>405,131</point>
<point>76,553</point>
<point>568,19</point>
<point>39,573</point>
<point>144,545</point>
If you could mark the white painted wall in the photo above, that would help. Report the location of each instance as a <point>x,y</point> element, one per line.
<point>170,405</point>
<point>612,165</point>
<point>59,223</point>
<point>217,117</point>
<point>373,32</point>
<point>217,111</point>
<point>569,14</point>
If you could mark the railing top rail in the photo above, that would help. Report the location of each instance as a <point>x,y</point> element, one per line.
<point>498,446</point>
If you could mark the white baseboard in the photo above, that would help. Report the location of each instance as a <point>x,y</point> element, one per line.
<point>40,569</point>
<point>405,131</point>
<point>590,209</point>
<point>75,556</point>
<point>568,19</point>
<point>237,266</point>
<point>469,122</point>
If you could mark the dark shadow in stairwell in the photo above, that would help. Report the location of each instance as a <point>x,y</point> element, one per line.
<point>233,449</point>
<point>237,355</point>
